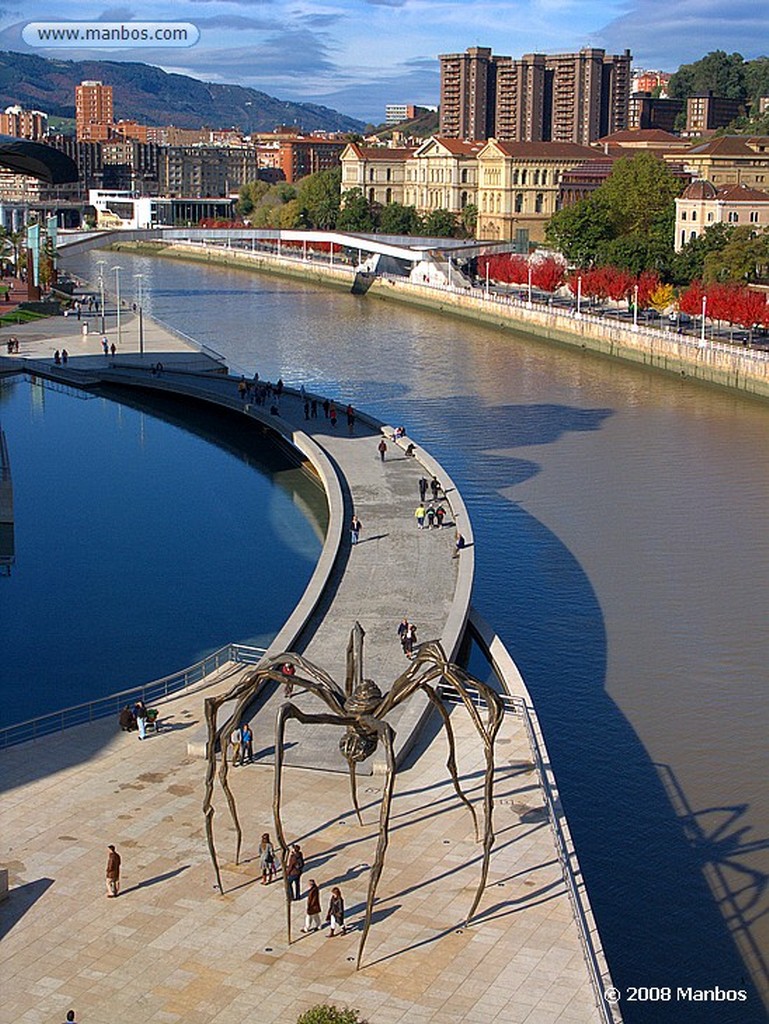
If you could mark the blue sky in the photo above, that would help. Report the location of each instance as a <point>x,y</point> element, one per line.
<point>357,55</point>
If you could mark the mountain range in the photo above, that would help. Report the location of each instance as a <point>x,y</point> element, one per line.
<point>151,96</point>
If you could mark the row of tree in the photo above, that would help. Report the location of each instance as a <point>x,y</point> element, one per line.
<point>316,201</point>
<point>727,302</point>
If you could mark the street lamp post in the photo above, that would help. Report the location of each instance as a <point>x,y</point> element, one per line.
<point>139,278</point>
<point>487,279</point>
<point>702,326</point>
<point>579,295</point>
<point>635,308</point>
<point>101,264</point>
<point>529,269</point>
<point>117,292</point>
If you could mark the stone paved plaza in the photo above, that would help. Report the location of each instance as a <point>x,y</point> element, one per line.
<point>171,949</point>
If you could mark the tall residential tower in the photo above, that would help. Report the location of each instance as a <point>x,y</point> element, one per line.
<point>567,97</point>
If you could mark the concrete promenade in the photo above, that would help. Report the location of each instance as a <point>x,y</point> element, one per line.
<point>170,949</point>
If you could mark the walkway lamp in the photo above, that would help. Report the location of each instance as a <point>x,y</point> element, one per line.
<point>635,308</point>
<point>702,326</point>
<point>139,278</point>
<point>529,268</point>
<point>579,295</point>
<point>101,264</point>
<point>487,279</point>
<point>117,292</point>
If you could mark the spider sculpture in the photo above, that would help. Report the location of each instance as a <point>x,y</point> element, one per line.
<point>360,709</point>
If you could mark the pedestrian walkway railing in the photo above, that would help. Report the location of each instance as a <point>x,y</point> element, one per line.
<point>111,705</point>
<point>567,858</point>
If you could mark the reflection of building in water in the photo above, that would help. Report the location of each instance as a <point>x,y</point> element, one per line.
<point>7,548</point>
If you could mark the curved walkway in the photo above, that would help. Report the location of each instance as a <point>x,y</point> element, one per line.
<point>395,570</point>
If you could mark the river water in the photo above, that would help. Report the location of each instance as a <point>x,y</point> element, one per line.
<point>623,557</point>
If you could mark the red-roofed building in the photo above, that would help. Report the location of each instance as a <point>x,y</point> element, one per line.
<point>378,171</point>
<point>442,175</point>
<point>730,160</point>
<point>299,156</point>
<point>702,204</point>
<point>519,183</point>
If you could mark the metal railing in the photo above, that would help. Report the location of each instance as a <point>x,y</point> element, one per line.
<point>111,705</point>
<point>599,977</point>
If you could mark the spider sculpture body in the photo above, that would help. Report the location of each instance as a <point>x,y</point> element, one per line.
<point>361,709</point>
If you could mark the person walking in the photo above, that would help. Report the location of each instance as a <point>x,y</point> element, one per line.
<point>294,869</point>
<point>140,714</point>
<point>440,515</point>
<point>355,527</point>
<point>335,915</point>
<point>350,420</point>
<point>267,859</point>
<point>459,543</point>
<point>382,448</point>
<point>247,744</point>
<point>113,872</point>
<point>312,920</point>
<point>288,672</point>
<point>332,414</point>
<point>419,515</point>
<point>430,513</point>
<point>435,488</point>
<point>422,489</point>
<point>411,639</point>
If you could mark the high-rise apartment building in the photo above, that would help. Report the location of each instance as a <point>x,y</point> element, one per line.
<point>93,112</point>
<point>24,124</point>
<point>568,97</point>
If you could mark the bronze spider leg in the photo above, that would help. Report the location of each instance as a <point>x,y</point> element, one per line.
<point>387,735</point>
<point>488,732</point>
<point>402,689</point>
<point>292,711</point>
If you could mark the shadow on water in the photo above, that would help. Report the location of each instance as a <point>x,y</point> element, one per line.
<point>641,861</point>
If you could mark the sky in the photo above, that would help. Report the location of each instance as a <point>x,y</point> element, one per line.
<point>358,55</point>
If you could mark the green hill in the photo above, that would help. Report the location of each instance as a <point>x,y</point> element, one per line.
<point>151,96</point>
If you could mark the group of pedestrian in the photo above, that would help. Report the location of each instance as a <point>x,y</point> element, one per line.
<point>429,518</point>
<point>242,745</point>
<point>407,634</point>
<point>268,863</point>
<point>61,357</point>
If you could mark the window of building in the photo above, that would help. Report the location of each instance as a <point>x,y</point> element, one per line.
<point>463,177</point>
<point>388,174</point>
<point>536,178</point>
<point>754,216</point>
<point>694,214</point>
<point>539,202</point>
<point>518,202</point>
<point>683,214</point>
<point>388,195</point>
<point>523,177</point>
<point>734,217</point>
<point>692,236</point>
<point>515,177</point>
<point>462,200</point>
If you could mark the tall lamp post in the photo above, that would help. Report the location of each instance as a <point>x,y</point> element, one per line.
<point>702,326</point>
<point>579,295</point>
<point>635,308</point>
<point>117,291</point>
<point>101,264</point>
<point>139,278</point>
<point>529,270</point>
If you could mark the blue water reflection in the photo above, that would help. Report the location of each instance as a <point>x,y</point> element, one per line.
<point>148,533</point>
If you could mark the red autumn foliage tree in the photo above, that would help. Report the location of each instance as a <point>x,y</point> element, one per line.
<point>619,283</point>
<point>690,301</point>
<point>548,274</point>
<point>647,283</point>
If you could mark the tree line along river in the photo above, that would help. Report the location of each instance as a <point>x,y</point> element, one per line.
<point>622,555</point>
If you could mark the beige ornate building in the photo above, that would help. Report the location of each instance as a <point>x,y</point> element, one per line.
<point>518,185</point>
<point>443,175</point>
<point>702,204</point>
<point>729,160</point>
<point>378,171</point>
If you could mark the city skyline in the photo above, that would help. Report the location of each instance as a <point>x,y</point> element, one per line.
<point>358,55</point>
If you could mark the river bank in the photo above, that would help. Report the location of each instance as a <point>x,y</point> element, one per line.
<point>743,370</point>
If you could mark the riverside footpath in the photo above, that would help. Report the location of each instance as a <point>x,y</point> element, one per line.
<point>171,948</point>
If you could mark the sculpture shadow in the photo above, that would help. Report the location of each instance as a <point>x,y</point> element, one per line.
<point>21,898</point>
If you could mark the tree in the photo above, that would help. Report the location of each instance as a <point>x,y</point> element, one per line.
<point>319,198</point>
<point>291,215</point>
<point>756,81</point>
<point>251,193</point>
<point>327,1014</point>
<point>718,72</point>
<point>548,274</point>
<point>639,194</point>
<point>743,258</point>
<point>440,223</point>
<point>580,231</point>
<point>397,219</point>
<point>355,214</point>
<point>662,297</point>
<point>689,263</point>
<point>469,217</point>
